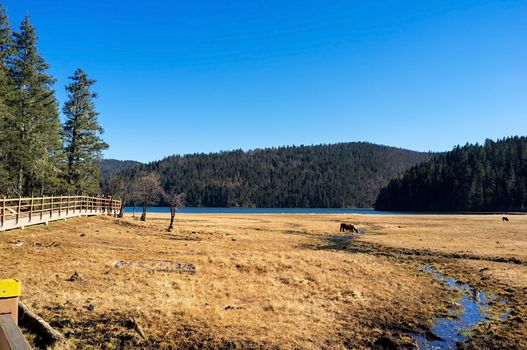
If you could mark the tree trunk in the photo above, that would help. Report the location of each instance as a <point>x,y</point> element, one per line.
<point>172,216</point>
<point>19,185</point>
<point>143,215</point>
<point>121,211</point>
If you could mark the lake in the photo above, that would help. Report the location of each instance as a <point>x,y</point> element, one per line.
<point>208,210</point>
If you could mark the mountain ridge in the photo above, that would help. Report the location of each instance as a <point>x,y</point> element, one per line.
<point>346,174</point>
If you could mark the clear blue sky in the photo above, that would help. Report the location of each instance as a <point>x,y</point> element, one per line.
<point>202,76</point>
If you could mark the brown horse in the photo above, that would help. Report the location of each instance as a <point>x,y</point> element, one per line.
<point>348,227</point>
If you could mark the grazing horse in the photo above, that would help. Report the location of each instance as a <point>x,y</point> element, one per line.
<point>505,219</point>
<point>348,227</point>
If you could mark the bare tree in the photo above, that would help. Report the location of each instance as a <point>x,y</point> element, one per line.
<point>119,188</point>
<point>148,190</point>
<point>175,200</point>
<point>134,200</point>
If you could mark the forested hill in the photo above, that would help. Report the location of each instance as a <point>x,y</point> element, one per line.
<point>339,175</point>
<point>114,166</point>
<point>491,177</point>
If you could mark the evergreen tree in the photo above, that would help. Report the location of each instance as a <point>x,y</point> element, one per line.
<point>83,143</point>
<point>33,137</point>
<point>6,40</point>
<point>6,95</point>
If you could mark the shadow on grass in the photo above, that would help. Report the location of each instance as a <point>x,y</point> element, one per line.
<point>353,244</point>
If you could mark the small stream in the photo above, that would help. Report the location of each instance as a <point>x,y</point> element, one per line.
<point>448,331</point>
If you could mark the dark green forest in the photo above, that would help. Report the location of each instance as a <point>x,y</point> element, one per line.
<point>489,177</point>
<point>111,167</point>
<point>339,175</point>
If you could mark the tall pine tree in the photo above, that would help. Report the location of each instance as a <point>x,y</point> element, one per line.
<point>34,138</point>
<point>83,142</point>
<point>6,95</point>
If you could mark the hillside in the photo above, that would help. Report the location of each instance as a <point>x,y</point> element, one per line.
<point>489,177</point>
<point>114,166</point>
<point>338,175</point>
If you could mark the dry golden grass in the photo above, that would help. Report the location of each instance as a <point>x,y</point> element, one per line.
<point>261,281</point>
<point>483,235</point>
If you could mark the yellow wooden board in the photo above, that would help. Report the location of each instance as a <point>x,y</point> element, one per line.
<point>10,288</point>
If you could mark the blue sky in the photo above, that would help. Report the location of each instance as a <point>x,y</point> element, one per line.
<point>202,76</point>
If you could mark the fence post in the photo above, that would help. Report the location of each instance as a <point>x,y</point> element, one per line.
<point>60,206</point>
<point>3,210</point>
<point>11,336</point>
<point>18,209</point>
<point>31,209</point>
<point>51,207</point>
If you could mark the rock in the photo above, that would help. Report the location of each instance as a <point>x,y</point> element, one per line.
<point>17,243</point>
<point>233,307</point>
<point>76,277</point>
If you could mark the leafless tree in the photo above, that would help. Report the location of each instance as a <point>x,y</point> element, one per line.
<point>148,190</point>
<point>175,200</point>
<point>119,188</point>
<point>133,201</point>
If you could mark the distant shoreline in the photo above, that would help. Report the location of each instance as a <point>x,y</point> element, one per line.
<point>243,210</point>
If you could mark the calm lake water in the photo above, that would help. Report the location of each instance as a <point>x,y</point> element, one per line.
<point>205,210</point>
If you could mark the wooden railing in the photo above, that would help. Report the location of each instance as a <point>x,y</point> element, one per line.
<point>11,337</point>
<point>20,212</point>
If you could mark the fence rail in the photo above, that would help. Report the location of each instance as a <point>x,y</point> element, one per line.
<point>21,212</point>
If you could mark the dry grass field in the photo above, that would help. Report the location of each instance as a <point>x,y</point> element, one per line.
<point>266,281</point>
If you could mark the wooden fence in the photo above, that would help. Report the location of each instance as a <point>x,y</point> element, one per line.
<point>21,212</point>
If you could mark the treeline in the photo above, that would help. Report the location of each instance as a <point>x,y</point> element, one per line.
<point>111,167</point>
<point>489,177</point>
<point>38,154</point>
<point>339,175</point>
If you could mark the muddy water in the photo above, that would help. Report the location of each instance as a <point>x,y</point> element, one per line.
<point>448,331</point>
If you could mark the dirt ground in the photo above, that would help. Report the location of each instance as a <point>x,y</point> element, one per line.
<point>265,281</point>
